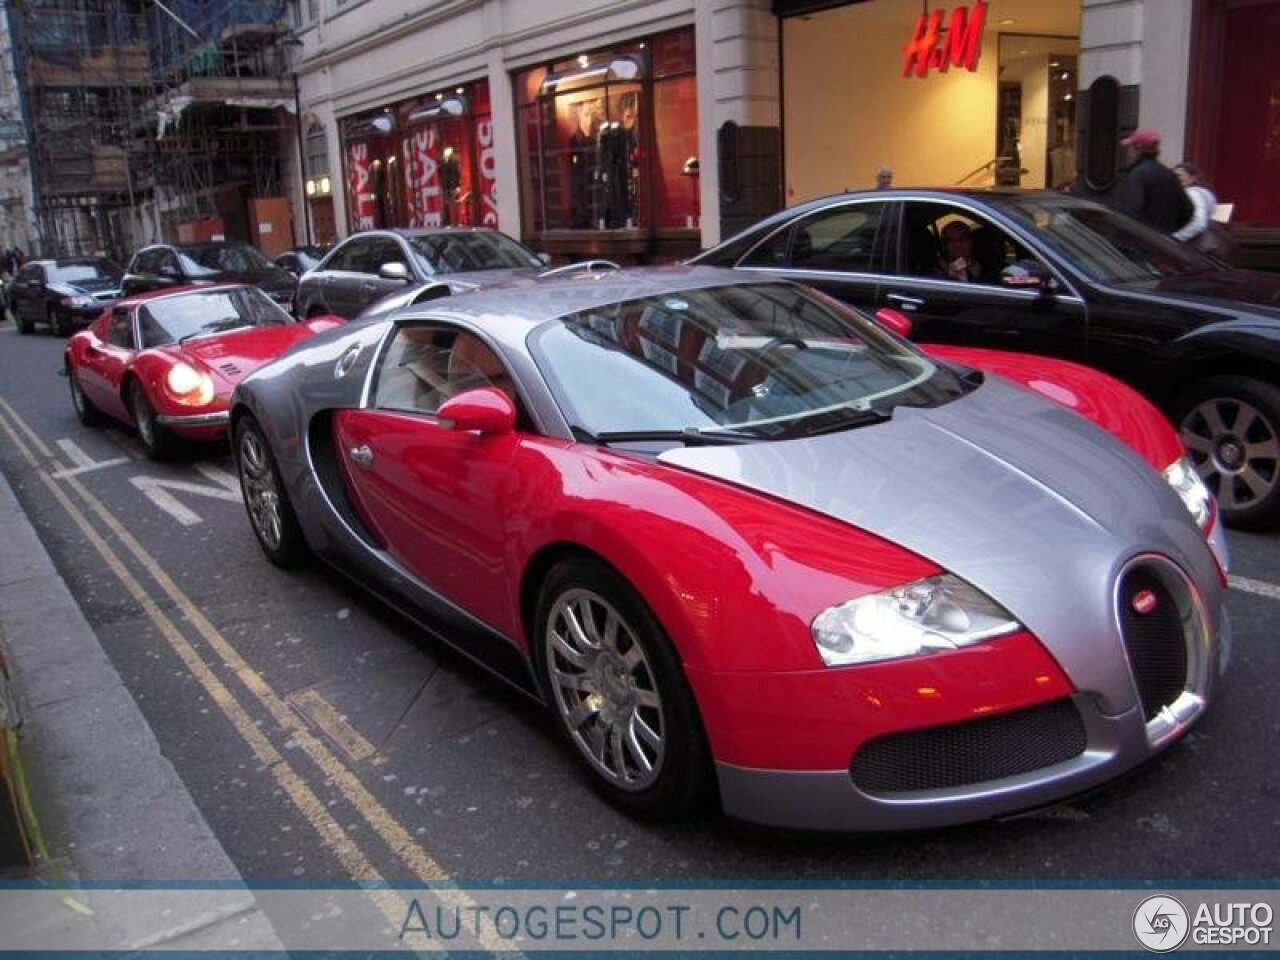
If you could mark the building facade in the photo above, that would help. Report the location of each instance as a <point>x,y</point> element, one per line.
<point>644,131</point>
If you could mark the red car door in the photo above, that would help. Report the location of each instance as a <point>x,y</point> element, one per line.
<point>105,360</point>
<point>439,500</point>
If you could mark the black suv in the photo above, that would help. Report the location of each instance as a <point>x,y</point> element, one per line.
<point>64,293</point>
<point>217,261</point>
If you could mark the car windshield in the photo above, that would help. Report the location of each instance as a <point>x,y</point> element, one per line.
<point>752,361</point>
<point>223,258</point>
<point>460,252</point>
<point>174,319</point>
<point>82,271</point>
<point>1107,246</point>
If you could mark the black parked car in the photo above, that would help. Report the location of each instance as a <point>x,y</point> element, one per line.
<point>370,265</point>
<point>1053,274</point>
<point>65,293</point>
<point>168,265</point>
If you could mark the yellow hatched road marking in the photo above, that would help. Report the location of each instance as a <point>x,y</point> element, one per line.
<point>348,853</point>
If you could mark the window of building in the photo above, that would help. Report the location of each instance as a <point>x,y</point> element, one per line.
<point>608,140</point>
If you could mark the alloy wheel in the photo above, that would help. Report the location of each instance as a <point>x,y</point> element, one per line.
<point>1235,449</point>
<point>261,493</point>
<point>605,689</point>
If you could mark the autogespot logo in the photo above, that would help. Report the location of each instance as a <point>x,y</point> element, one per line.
<point>1161,923</point>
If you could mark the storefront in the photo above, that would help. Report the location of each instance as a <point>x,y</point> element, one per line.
<point>607,147</point>
<point>944,94</point>
<point>425,162</point>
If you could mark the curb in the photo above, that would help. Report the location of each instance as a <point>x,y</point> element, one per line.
<point>101,797</point>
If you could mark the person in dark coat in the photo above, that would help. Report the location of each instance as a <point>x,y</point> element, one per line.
<point>1152,193</point>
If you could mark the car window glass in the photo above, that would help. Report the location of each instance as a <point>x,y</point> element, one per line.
<point>937,235</point>
<point>120,331</point>
<point>31,273</point>
<point>385,250</point>
<point>775,251</point>
<point>841,239</point>
<point>426,364</point>
<point>355,256</point>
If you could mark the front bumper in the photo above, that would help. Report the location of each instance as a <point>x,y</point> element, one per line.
<point>833,800</point>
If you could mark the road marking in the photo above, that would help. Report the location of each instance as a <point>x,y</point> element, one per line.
<point>1262,589</point>
<point>332,724</point>
<point>156,489</point>
<point>83,463</point>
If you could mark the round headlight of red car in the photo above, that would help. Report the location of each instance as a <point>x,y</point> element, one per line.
<point>188,386</point>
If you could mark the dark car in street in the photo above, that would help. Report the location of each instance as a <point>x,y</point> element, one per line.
<point>65,293</point>
<point>166,265</point>
<point>1057,275</point>
<point>370,265</point>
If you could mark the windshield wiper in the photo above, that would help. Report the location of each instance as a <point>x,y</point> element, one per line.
<point>849,418</point>
<point>689,436</point>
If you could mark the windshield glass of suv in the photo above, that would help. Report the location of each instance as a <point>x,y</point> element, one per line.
<point>223,258</point>
<point>1107,246</point>
<point>171,319</point>
<point>767,360</point>
<point>461,252</point>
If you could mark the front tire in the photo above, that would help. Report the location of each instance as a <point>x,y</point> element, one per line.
<point>156,440</point>
<point>615,686</point>
<point>1231,429</point>
<point>265,498</point>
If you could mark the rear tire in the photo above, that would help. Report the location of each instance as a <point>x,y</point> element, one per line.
<point>86,412</point>
<point>265,498</point>
<point>156,440</point>
<point>1231,428</point>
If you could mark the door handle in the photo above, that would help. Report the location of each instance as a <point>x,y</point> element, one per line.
<point>362,455</point>
<point>904,301</point>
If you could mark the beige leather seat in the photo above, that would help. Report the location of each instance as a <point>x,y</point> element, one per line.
<point>472,364</point>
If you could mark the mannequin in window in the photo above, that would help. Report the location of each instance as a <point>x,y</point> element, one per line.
<point>450,180</point>
<point>582,166</point>
<point>614,171</point>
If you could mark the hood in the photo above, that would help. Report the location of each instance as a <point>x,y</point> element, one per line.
<point>1226,288</point>
<point>1030,503</point>
<point>232,356</point>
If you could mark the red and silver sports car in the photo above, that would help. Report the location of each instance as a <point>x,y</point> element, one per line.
<point>167,362</point>
<point>744,541</point>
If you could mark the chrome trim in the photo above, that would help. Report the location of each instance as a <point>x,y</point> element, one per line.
<point>194,419</point>
<point>1173,719</point>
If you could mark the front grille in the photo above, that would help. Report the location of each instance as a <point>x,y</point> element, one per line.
<point>1155,641</point>
<point>974,751</point>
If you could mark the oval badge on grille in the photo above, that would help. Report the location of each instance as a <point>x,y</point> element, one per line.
<point>1144,601</point>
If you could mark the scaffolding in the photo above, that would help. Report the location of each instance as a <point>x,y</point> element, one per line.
<point>144,117</point>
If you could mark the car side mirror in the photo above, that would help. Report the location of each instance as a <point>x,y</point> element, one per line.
<point>895,321</point>
<point>482,410</point>
<point>394,271</point>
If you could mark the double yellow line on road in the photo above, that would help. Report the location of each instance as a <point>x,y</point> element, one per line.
<point>331,833</point>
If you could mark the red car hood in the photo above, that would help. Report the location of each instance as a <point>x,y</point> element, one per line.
<point>230,357</point>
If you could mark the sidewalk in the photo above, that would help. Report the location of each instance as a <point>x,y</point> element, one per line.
<point>111,810</point>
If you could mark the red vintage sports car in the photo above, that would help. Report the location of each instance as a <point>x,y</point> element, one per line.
<point>166,362</point>
<point>742,540</point>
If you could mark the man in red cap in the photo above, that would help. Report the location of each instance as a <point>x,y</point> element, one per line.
<point>1152,192</point>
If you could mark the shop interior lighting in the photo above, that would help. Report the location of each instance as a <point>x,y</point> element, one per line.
<point>453,106</point>
<point>620,68</point>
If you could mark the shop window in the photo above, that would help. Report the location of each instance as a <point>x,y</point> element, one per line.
<point>605,139</point>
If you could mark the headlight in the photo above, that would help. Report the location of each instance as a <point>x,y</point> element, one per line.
<point>189,386</point>
<point>1187,484</point>
<point>937,613</point>
<point>78,300</point>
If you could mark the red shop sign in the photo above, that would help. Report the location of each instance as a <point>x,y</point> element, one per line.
<point>961,45</point>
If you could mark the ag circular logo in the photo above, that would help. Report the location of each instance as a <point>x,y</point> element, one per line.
<point>1161,923</point>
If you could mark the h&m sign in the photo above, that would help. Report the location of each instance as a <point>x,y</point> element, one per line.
<point>931,48</point>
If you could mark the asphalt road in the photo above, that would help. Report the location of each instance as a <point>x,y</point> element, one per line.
<point>324,738</point>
